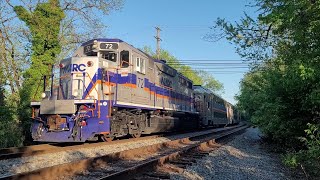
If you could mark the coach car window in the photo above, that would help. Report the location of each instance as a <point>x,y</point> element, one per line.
<point>124,59</point>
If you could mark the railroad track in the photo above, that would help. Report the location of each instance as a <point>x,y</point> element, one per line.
<point>15,152</point>
<point>125,163</point>
<point>173,161</point>
<point>25,151</point>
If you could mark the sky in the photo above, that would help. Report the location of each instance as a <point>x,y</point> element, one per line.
<point>184,23</point>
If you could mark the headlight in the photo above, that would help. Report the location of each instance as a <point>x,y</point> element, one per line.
<point>95,44</point>
<point>43,95</point>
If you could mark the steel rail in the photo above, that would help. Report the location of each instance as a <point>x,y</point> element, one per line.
<point>75,168</point>
<point>152,163</point>
<point>25,151</point>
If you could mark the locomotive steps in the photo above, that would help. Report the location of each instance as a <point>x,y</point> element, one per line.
<point>117,164</point>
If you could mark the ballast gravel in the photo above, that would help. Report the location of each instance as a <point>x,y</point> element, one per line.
<point>25,164</point>
<point>242,158</point>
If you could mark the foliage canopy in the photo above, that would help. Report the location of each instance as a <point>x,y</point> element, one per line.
<point>33,36</point>
<point>281,93</point>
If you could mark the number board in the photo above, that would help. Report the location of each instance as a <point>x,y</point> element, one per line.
<point>108,46</point>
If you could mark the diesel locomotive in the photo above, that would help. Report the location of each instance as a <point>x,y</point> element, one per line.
<point>108,89</point>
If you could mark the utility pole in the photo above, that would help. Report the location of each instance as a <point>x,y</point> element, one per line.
<point>158,41</point>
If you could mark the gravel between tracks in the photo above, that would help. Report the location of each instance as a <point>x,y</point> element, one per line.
<point>30,163</point>
<point>241,158</point>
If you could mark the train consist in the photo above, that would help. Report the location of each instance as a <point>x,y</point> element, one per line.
<point>110,89</point>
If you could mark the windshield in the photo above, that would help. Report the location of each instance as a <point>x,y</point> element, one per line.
<point>67,89</point>
<point>67,86</point>
<point>109,55</point>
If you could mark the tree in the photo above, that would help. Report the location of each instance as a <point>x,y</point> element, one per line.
<point>25,56</point>
<point>281,93</point>
<point>15,37</point>
<point>44,25</point>
<point>8,56</point>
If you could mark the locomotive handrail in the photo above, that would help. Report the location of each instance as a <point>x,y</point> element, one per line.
<point>166,87</point>
<point>108,77</point>
<point>94,89</point>
<point>97,95</point>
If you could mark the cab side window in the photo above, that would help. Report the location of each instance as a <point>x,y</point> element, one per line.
<point>140,65</point>
<point>124,55</point>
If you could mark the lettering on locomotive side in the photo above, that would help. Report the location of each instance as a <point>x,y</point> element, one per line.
<point>66,69</point>
<point>166,82</point>
<point>140,83</point>
<point>73,68</point>
<point>78,67</point>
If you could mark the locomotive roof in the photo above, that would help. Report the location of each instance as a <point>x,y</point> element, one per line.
<point>202,89</point>
<point>102,40</point>
<point>162,61</point>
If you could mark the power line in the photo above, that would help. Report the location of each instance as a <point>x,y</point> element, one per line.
<point>224,72</point>
<point>213,71</point>
<point>212,60</point>
<point>205,69</point>
<point>217,63</point>
<point>219,67</point>
<point>209,65</point>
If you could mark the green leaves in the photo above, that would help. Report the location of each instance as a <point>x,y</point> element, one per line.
<point>281,93</point>
<point>28,49</point>
<point>44,24</point>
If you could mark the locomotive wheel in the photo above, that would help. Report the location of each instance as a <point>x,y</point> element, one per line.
<point>136,134</point>
<point>106,138</point>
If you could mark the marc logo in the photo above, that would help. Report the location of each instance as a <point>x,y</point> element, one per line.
<point>73,68</point>
<point>79,67</point>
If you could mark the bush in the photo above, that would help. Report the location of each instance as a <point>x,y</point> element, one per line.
<point>10,130</point>
<point>308,159</point>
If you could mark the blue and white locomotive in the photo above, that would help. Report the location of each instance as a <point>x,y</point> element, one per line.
<point>110,89</point>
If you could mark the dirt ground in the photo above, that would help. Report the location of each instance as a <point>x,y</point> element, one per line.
<point>243,157</point>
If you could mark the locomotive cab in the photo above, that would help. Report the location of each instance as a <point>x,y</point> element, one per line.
<point>71,110</point>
